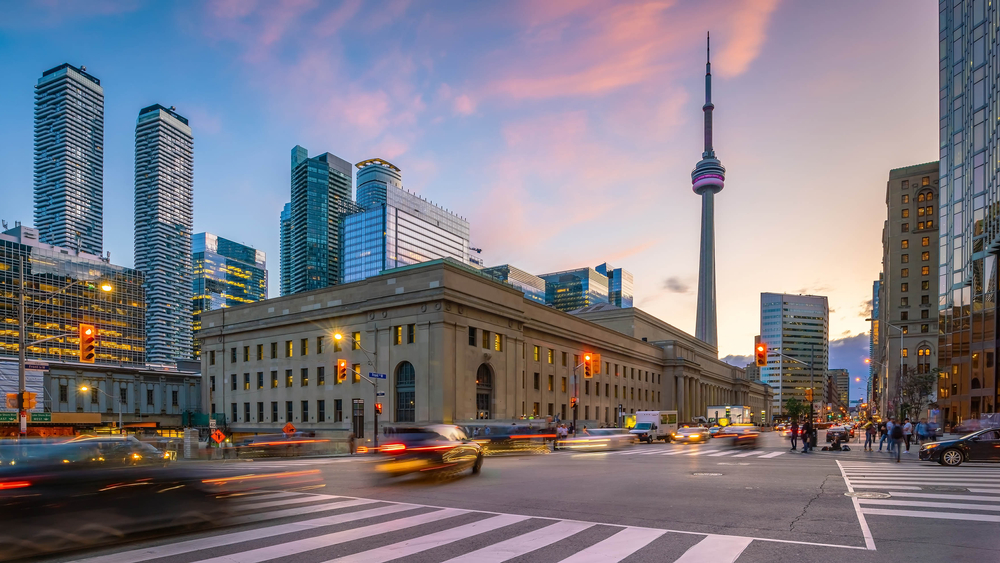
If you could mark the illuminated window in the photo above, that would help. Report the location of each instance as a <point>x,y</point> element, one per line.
<point>904,301</point>
<point>538,353</point>
<point>356,371</point>
<point>926,270</point>
<point>288,378</point>
<point>906,198</point>
<point>904,258</point>
<point>304,347</point>
<point>563,384</point>
<point>321,375</point>
<point>486,339</point>
<point>926,241</point>
<point>905,353</point>
<point>497,343</point>
<point>288,348</point>
<point>397,335</point>
<point>552,383</point>
<point>904,273</point>
<point>304,377</point>
<point>355,341</point>
<point>904,287</point>
<point>552,356</point>
<point>904,243</point>
<point>925,181</point>
<point>260,352</point>
<point>905,227</point>
<point>274,380</point>
<point>906,213</point>
<point>925,256</point>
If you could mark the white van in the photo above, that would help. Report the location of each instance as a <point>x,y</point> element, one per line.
<point>654,425</point>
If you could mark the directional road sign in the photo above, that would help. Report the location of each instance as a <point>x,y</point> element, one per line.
<point>377,375</point>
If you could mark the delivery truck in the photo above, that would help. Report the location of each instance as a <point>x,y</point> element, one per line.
<point>654,425</point>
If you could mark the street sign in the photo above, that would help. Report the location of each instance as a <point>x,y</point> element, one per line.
<point>377,375</point>
<point>211,424</point>
<point>289,428</point>
<point>380,394</point>
<point>41,417</point>
<point>8,417</point>
<point>218,436</point>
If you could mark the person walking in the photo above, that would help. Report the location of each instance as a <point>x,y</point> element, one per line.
<point>896,434</point>
<point>883,432</point>
<point>351,445</point>
<point>807,429</point>
<point>921,431</point>
<point>889,426</point>
<point>869,435</point>
<point>907,433</point>
<point>795,434</point>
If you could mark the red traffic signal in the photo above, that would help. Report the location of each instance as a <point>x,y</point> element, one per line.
<point>588,366</point>
<point>341,371</point>
<point>572,402</point>
<point>378,408</point>
<point>87,343</point>
<point>760,355</point>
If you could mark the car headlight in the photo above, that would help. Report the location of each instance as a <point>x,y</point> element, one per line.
<point>930,446</point>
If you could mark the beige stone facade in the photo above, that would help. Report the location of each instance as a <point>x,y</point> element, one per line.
<point>472,347</point>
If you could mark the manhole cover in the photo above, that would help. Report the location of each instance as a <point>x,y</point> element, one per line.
<point>941,489</point>
<point>867,495</point>
<point>706,474</point>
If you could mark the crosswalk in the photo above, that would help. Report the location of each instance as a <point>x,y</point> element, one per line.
<point>287,526</point>
<point>697,450</point>
<point>970,493</point>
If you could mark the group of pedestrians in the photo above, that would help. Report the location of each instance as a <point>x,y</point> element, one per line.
<point>806,431</point>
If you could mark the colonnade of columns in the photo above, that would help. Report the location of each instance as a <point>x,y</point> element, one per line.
<point>695,396</point>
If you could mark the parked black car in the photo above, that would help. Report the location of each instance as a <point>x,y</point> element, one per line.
<point>436,448</point>
<point>982,445</point>
<point>843,431</point>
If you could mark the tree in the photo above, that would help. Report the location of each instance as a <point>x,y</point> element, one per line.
<point>795,408</point>
<point>915,390</point>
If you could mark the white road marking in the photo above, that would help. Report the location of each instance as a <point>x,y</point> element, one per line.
<point>922,504</point>
<point>724,452</point>
<point>745,454</point>
<point>772,454</point>
<point>701,452</point>
<point>299,511</point>
<point>616,547</point>
<point>520,545</point>
<point>865,530</point>
<point>715,549</point>
<point>929,514</point>
<point>987,499</point>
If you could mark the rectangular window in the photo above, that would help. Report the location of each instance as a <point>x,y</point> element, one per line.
<point>925,328</point>
<point>564,359</point>
<point>616,391</point>
<point>905,258</point>
<point>925,256</point>
<point>274,411</point>
<point>260,411</point>
<point>260,352</point>
<point>358,417</point>
<point>356,371</point>
<point>925,181</point>
<point>233,382</point>
<point>232,409</point>
<point>905,329</point>
<point>260,380</point>
<point>274,350</point>
<point>906,198</point>
<point>537,377</point>
<point>304,347</point>
<point>904,301</point>
<point>552,356</point>
<point>304,377</point>
<point>274,380</point>
<point>288,348</point>
<point>905,184</point>
<point>551,409</point>
<point>576,360</point>
<point>925,270</point>
<point>904,273</point>
<point>586,412</point>
<point>926,241</point>
<point>246,381</point>
<point>211,357</point>
<point>538,354</point>
<point>904,243</point>
<point>472,336</point>
<point>534,409</point>
<point>607,387</point>
<point>562,411</point>
<point>305,411</point>
<point>63,394</point>
<point>597,389</point>
<point>586,387</point>
<point>319,344</point>
<point>397,335</point>
<point>925,299</point>
<point>288,378</point>
<point>497,343</point>
<point>925,285</point>
<point>486,339</point>
<point>906,213</point>
<point>925,314</point>
<point>905,227</point>
<point>288,411</point>
<point>355,341</point>
<point>552,383</point>
<point>246,353</point>
<point>321,375</point>
<point>246,412</point>
<point>564,385</point>
<point>904,315</point>
<point>337,346</point>
<point>411,334</point>
<point>232,355</point>
<point>904,287</point>
<point>320,410</point>
<point>338,410</point>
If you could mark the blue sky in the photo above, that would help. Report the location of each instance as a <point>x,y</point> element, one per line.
<point>564,131</point>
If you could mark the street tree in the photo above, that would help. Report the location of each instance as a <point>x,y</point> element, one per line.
<point>916,389</point>
<point>795,408</point>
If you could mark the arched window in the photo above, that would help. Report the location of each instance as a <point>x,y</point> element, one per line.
<point>975,383</point>
<point>406,381</point>
<point>484,392</point>
<point>923,358</point>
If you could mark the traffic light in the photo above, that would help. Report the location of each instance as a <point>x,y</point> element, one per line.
<point>572,402</point>
<point>29,400</point>
<point>378,408</point>
<point>809,394</point>
<point>87,343</point>
<point>760,354</point>
<point>595,363</point>
<point>341,371</point>
<point>588,366</point>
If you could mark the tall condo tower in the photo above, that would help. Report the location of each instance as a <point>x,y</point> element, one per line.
<point>164,209</point>
<point>707,179</point>
<point>69,159</point>
<point>286,249</point>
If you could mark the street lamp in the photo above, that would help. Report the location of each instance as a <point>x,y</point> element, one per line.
<point>371,362</point>
<point>901,333</point>
<point>121,405</point>
<point>22,327</point>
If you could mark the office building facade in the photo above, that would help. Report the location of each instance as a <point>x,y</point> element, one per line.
<point>796,329</point>
<point>575,289</point>
<point>532,286</point>
<point>225,274</point>
<point>396,227</point>
<point>908,329</point>
<point>164,219</point>
<point>285,240</point>
<point>620,292</point>
<point>874,344</point>
<point>970,196</point>
<point>69,159</point>
<point>841,379</point>
<point>321,199</point>
<point>118,315</point>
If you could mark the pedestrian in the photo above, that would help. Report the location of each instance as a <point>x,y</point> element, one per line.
<point>889,426</point>
<point>896,434</point>
<point>922,431</point>
<point>351,439</point>
<point>795,434</point>
<point>883,432</point>
<point>869,435</point>
<point>807,437</point>
<point>907,433</point>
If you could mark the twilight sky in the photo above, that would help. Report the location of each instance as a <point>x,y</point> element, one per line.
<point>564,131</point>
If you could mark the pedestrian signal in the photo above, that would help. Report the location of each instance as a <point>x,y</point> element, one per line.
<point>87,343</point>
<point>572,402</point>
<point>378,408</point>
<point>809,394</point>
<point>341,371</point>
<point>760,355</point>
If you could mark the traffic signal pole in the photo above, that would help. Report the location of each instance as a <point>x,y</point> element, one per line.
<point>22,382</point>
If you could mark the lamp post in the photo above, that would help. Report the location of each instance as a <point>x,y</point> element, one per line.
<point>22,382</point>
<point>901,333</point>
<point>371,362</point>
<point>121,406</point>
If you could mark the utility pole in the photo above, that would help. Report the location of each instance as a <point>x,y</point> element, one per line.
<point>22,382</point>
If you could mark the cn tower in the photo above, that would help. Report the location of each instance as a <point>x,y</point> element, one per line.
<point>707,179</point>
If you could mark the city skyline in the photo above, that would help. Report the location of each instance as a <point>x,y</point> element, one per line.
<point>546,136</point>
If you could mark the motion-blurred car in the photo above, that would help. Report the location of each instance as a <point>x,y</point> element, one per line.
<point>983,445</point>
<point>690,434</point>
<point>739,435</point>
<point>838,431</point>
<point>439,448</point>
<point>512,439</point>
<point>713,432</point>
<point>282,445</point>
<point>599,439</point>
<point>644,432</point>
<point>109,450</point>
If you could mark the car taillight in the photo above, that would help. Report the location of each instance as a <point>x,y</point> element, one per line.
<point>4,485</point>
<point>393,448</point>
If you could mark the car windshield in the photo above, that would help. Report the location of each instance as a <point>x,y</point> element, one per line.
<point>643,426</point>
<point>689,430</point>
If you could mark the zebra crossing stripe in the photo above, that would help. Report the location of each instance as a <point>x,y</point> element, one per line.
<point>724,452</point>
<point>701,452</point>
<point>616,547</point>
<point>934,514</point>
<point>717,549</point>
<point>326,540</point>
<point>423,543</point>
<point>299,511</point>
<point>745,454</point>
<point>772,454</point>
<point>520,545</point>
<point>945,497</point>
<point>286,501</point>
<point>924,504</point>
<point>675,452</point>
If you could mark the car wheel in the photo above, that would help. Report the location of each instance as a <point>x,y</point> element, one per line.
<point>951,458</point>
<point>478,465</point>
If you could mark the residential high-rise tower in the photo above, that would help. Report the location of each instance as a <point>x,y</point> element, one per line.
<point>164,208</point>
<point>69,159</point>
<point>286,249</point>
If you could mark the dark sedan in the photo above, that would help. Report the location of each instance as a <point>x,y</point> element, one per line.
<point>437,448</point>
<point>842,431</point>
<point>983,445</point>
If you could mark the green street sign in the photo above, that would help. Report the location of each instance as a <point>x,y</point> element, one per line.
<point>8,417</point>
<point>41,417</point>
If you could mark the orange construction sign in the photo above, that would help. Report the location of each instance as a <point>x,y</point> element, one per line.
<point>288,429</point>
<point>218,436</point>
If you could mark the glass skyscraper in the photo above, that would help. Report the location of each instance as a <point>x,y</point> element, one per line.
<point>164,207</point>
<point>574,289</point>
<point>797,326</point>
<point>118,315</point>
<point>286,249</point>
<point>226,274</point>
<point>69,159</point>
<point>397,228</point>
<point>969,211</point>
<point>532,286</point>
<point>321,198</point>
<point>620,291</point>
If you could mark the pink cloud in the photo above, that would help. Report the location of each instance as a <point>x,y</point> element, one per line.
<point>747,37</point>
<point>464,105</point>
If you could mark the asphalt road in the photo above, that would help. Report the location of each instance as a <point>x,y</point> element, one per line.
<point>651,503</point>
